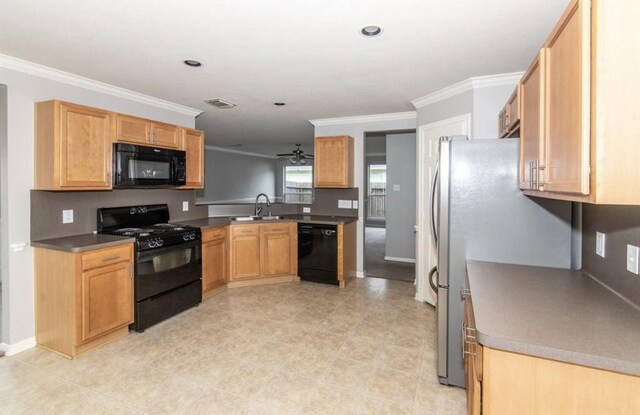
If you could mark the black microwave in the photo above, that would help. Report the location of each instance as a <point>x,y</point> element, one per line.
<point>142,166</point>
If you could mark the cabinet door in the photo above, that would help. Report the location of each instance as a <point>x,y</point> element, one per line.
<point>85,147</point>
<point>276,250</point>
<point>166,135</point>
<point>333,163</point>
<point>133,130</point>
<point>193,145</point>
<point>513,110</point>
<point>106,300</point>
<point>244,252</point>
<point>532,124</point>
<point>567,109</point>
<point>472,354</point>
<point>214,264</point>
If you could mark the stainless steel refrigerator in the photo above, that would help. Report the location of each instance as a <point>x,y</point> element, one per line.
<point>480,213</point>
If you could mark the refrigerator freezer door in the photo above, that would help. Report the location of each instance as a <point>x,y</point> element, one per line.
<point>442,317</point>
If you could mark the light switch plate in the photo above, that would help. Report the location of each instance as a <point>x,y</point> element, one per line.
<point>306,210</point>
<point>396,187</point>
<point>600,243</point>
<point>185,206</point>
<point>354,204</point>
<point>67,216</point>
<point>344,204</point>
<point>633,252</point>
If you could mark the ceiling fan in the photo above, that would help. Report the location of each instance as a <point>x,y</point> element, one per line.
<point>297,156</point>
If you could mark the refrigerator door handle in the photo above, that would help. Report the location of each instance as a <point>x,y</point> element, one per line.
<point>434,185</point>
<point>432,282</point>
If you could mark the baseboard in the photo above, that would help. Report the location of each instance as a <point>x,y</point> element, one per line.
<point>396,259</point>
<point>21,346</point>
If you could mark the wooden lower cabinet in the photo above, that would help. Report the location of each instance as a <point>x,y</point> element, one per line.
<point>83,299</point>
<point>505,383</point>
<point>214,258</point>
<point>259,252</point>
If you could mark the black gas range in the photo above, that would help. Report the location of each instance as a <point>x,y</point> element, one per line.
<point>168,261</point>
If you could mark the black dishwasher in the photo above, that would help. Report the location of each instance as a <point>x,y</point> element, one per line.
<point>318,253</point>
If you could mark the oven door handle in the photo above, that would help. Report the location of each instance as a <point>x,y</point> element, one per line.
<point>142,255</point>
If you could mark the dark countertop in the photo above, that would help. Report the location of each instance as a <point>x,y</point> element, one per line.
<point>82,243</point>
<point>556,314</point>
<point>89,241</point>
<point>216,222</point>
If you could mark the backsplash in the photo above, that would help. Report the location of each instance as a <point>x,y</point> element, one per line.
<point>46,208</point>
<point>621,225</point>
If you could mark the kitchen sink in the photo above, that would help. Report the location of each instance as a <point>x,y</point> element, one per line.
<point>252,218</point>
<point>245,218</point>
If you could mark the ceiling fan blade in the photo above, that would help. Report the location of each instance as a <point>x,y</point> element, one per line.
<point>284,155</point>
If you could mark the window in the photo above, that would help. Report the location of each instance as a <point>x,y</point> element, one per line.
<point>377,191</point>
<point>298,184</point>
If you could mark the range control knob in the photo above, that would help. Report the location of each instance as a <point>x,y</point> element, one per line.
<point>159,242</point>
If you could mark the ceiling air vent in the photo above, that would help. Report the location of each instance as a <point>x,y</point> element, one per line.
<point>220,103</point>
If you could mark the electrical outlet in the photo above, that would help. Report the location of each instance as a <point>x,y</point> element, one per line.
<point>600,243</point>
<point>344,204</point>
<point>306,210</point>
<point>354,204</point>
<point>396,187</point>
<point>633,252</point>
<point>67,216</point>
<point>185,206</point>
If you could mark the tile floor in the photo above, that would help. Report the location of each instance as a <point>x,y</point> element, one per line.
<point>294,348</point>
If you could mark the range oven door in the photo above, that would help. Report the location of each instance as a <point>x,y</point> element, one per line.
<point>140,166</point>
<point>163,269</point>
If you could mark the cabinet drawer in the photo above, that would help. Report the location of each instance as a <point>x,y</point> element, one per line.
<point>215,233</point>
<point>104,257</point>
<point>276,228</point>
<point>245,230</point>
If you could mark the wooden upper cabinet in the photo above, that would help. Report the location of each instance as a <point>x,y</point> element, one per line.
<point>567,135</point>
<point>166,135</point>
<point>133,130</point>
<point>590,112</point>
<point>193,145</point>
<point>513,110</point>
<point>532,124</point>
<point>140,131</point>
<point>73,147</point>
<point>333,162</point>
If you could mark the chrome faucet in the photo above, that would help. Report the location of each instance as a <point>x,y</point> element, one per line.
<point>258,207</point>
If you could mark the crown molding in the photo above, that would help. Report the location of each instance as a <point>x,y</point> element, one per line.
<point>20,65</point>
<point>244,153</point>
<point>394,116</point>
<point>468,85</point>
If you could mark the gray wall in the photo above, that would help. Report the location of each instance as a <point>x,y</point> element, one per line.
<point>23,91</point>
<point>451,107</point>
<point>236,178</point>
<point>621,224</point>
<point>47,223</point>
<point>4,241</point>
<point>357,130</point>
<point>401,205</point>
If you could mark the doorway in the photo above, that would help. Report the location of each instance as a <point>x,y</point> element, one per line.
<point>389,173</point>
<point>427,158</point>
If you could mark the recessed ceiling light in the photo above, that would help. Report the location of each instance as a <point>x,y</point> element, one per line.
<point>371,30</point>
<point>279,104</point>
<point>193,63</point>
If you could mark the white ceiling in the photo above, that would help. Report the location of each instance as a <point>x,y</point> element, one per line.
<point>307,53</point>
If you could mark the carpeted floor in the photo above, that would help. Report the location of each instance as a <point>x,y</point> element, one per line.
<point>374,263</point>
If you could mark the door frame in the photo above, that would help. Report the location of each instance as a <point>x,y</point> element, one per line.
<point>423,184</point>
